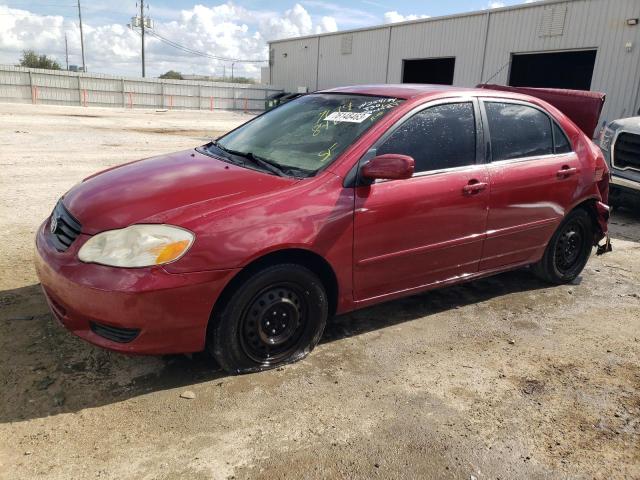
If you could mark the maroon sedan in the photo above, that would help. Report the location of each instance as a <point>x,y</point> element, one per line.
<point>334,201</point>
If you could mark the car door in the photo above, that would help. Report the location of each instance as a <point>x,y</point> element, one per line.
<point>429,228</point>
<point>534,177</point>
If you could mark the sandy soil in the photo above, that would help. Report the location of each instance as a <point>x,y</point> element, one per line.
<point>500,378</point>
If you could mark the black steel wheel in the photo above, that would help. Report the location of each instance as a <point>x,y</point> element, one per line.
<point>568,250</point>
<point>570,246</point>
<point>276,316</point>
<point>273,322</point>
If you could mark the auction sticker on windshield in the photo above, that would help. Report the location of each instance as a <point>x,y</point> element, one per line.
<point>352,117</point>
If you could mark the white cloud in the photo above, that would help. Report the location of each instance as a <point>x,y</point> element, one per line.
<point>395,17</point>
<point>327,24</point>
<point>225,30</point>
<point>496,5</point>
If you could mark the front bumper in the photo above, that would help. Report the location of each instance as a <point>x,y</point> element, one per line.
<point>626,183</point>
<point>164,312</point>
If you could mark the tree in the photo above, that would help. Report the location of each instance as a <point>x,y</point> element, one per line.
<point>172,75</point>
<point>32,60</point>
<point>237,80</point>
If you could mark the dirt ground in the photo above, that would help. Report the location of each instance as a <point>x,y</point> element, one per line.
<point>500,378</point>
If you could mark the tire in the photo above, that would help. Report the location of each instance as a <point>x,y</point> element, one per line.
<point>568,250</point>
<point>244,337</point>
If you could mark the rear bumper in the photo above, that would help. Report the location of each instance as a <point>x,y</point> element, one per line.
<point>603,213</point>
<point>138,311</point>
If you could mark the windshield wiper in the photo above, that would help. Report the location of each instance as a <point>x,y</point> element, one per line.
<point>266,164</point>
<point>227,154</point>
<point>263,162</point>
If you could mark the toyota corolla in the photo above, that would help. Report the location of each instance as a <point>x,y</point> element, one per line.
<point>334,201</point>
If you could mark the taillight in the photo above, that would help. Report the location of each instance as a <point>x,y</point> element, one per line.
<point>598,174</point>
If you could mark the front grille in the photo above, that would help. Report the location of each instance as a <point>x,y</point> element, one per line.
<point>115,334</point>
<point>626,151</point>
<point>63,228</point>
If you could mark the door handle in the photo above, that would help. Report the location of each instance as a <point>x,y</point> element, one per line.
<point>473,187</point>
<point>566,171</point>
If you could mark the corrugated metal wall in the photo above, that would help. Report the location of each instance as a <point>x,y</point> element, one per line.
<point>366,63</point>
<point>481,42</point>
<point>297,64</point>
<point>30,85</point>
<point>599,24</point>
<point>455,37</point>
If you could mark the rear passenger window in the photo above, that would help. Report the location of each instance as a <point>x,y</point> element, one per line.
<point>560,142</point>
<point>443,136</point>
<point>518,131</point>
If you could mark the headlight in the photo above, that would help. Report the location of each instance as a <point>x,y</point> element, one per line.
<point>137,246</point>
<point>605,138</point>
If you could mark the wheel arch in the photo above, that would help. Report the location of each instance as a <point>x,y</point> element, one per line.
<point>300,256</point>
<point>589,205</point>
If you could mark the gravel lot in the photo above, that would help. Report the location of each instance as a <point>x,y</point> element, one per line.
<point>500,378</point>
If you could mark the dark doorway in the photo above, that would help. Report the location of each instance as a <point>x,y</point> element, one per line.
<point>553,70</point>
<point>429,70</point>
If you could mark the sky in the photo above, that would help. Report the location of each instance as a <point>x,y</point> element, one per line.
<point>227,30</point>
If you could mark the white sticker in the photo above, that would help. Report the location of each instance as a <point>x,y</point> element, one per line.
<point>353,117</point>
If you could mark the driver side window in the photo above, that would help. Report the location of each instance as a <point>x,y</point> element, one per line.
<point>438,137</point>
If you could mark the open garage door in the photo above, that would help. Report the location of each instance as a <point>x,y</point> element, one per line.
<point>429,70</point>
<point>571,69</point>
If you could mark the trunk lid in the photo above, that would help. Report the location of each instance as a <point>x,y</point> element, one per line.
<point>581,106</point>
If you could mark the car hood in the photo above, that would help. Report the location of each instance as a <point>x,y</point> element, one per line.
<point>631,124</point>
<point>146,190</point>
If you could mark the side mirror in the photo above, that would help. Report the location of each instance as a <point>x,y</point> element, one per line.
<point>390,166</point>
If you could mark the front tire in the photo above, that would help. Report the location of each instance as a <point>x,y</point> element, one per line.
<point>568,250</point>
<point>275,317</point>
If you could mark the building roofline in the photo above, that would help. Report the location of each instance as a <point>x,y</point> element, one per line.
<point>384,26</point>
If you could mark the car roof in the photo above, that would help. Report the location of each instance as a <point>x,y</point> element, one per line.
<point>581,107</point>
<point>402,90</point>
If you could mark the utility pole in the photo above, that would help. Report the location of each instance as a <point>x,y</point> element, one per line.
<point>142,27</point>
<point>84,67</point>
<point>66,50</point>
<point>232,65</point>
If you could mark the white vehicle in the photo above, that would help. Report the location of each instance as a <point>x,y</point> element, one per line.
<point>620,143</point>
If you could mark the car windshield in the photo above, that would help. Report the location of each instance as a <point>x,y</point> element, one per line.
<point>306,134</point>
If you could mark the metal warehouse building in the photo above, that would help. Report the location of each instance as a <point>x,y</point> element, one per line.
<point>583,44</point>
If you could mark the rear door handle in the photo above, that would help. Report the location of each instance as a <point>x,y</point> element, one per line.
<point>566,172</point>
<point>473,187</point>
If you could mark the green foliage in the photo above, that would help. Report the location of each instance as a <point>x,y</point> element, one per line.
<point>32,60</point>
<point>172,75</point>
<point>236,80</point>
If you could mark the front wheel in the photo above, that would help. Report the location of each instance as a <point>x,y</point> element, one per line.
<point>275,317</point>
<point>568,250</point>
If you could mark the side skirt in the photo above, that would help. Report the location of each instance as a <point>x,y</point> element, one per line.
<point>432,286</point>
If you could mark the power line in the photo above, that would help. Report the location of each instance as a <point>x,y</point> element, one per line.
<point>29,14</point>
<point>192,51</point>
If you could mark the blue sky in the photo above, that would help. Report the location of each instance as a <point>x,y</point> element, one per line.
<point>346,12</point>
<point>236,29</point>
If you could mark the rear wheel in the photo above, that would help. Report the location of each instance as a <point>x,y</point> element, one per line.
<point>568,250</point>
<point>275,317</point>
